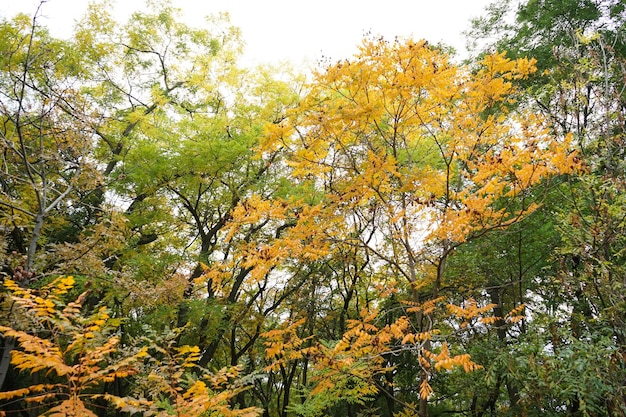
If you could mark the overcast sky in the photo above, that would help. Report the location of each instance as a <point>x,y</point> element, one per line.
<point>298,30</point>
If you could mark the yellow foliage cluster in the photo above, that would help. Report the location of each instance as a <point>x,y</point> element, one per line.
<point>84,353</point>
<point>469,311</point>
<point>75,347</point>
<point>399,122</point>
<point>303,237</point>
<point>360,354</point>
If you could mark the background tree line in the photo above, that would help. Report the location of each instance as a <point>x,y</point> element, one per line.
<point>396,234</point>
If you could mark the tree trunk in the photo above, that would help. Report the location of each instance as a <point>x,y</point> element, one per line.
<point>32,247</point>
<point>5,361</point>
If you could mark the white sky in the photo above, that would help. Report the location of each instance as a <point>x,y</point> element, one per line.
<point>297,30</point>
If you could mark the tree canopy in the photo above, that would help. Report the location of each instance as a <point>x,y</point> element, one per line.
<point>394,234</point>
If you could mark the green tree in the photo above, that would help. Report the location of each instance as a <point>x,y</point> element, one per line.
<point>46,164</point>
<point>580,88</point>
<point>168,123</point>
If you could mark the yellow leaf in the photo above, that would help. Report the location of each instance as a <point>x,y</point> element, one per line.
<point>7,395</point>
<point>425,389</point>
<point>70,407</point>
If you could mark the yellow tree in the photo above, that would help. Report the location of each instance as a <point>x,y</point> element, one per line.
<point>416,156</point>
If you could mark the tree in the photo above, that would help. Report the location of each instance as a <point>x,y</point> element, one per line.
<point>417,156</point>
<point>401,235</point>
<point>168,126</point>
<point>580,48</point>
<point>46,160</point>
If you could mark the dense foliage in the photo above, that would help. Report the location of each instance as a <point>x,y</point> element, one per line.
<point>396,234</point>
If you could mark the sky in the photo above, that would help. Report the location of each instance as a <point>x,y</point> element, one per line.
<point>298,31</point>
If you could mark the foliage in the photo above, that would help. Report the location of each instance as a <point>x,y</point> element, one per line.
<point>83,353</point>
<point>81,350</point>
<point>580,48</point>
<point>395,234</point>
